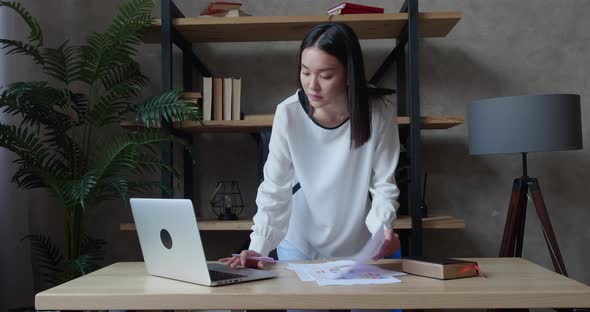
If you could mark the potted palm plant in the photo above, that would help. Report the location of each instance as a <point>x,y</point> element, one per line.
<point>61,143</point>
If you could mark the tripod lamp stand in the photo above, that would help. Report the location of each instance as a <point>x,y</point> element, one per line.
<point>523,124</point>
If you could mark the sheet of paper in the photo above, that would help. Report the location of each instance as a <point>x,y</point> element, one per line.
<point>368,252</point>
<point>341,273</point>
<point>372,247</point>
<point>349,272</point>
<point>301,270</point>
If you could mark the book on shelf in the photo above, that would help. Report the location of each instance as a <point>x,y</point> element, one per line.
<point>207,97</point>
<point>222,8</point>
<point>190,95</point>
<point>439,268</point>
<point>193,97</point>
<point>259,117</point>
<point>227,13</point>
<point>350,11</point>
<point>356,7</point>
<point>221,98</point>
<point>227,93</point>
<point>222,5</point>
<point>236,98</point>
<point>217,98</point>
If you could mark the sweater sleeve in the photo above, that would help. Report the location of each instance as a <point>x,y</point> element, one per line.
<point>383,188</point>
<point>274,198</point>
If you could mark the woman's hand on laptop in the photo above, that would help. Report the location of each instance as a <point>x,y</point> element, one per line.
<point>244,259</point>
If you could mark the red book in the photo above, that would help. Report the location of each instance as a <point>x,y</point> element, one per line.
<point>220,5</point>
<point>358,7</point>
<point>350,11</point>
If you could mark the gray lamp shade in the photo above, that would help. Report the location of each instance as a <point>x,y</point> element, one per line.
<point>521,124</point>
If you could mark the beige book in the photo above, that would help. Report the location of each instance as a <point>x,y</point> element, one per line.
<point>207,97</point>
<point>227,93</point>
<point>440,268</point>
<point>236,99</point>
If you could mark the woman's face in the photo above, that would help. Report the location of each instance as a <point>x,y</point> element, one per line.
<point>323,78</point>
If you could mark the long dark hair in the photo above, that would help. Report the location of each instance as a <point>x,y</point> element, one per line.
<point>340,41</point>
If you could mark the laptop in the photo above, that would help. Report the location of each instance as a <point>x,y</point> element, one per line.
<point>172,247</point>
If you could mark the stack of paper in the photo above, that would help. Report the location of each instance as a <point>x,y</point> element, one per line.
<point>349,272</point>
<point>342,273</point>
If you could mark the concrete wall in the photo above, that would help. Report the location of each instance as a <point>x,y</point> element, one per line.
<point>499,48</point>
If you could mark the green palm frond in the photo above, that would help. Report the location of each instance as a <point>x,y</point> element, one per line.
<point>35,35</point>
<point>125,78</point>
<point>27,146</point>
<point>124,155</point>
<point>19,47</point>
<point>54,268</point>
<point>108,109</point>
<point>149,165</point>
<point>121,83</point>
<point>63,63</point>
<point>146,186</point>
<point>130,20</point>
<point>124,152</point>
<point>93,247</point>
<point>80,105</point>
<point>82,190</point>
<point>167,106</point>
<point>70,151</point>
<point>27,177</point>
<point>118,44</point>
<point>73,268</point>
<point>48,175</point>
<point>60,187</point>
<point>47,254</point>
<point>38,104</point>
<point>117,185</point>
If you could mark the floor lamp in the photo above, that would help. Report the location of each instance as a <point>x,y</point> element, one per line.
<point>523,124</point>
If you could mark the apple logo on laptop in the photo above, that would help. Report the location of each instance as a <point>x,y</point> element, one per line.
<point>166,238</point>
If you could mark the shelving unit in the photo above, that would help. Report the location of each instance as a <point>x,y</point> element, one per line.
<point>402,223</point>
<point>406,26</point>
<point>294,28</point>
<point>265,122</point>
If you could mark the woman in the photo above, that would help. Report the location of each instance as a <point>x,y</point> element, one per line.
<point>329,177</point>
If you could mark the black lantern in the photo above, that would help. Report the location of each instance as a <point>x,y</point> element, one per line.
<point>226,201</point>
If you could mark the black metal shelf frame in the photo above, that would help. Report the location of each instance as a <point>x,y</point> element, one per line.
<point>408,39</point>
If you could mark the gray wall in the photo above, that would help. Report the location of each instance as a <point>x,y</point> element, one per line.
<point>16,278</point>
<point>499,48</point>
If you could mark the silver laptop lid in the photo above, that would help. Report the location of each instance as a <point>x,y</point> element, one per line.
<point>169,239</point>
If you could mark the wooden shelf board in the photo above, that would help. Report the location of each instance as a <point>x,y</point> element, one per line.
<point>255,125</point>
<point>294,28</point>
<point>402,223</point>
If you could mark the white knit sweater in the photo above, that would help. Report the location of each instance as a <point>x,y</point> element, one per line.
<point>332,214</point>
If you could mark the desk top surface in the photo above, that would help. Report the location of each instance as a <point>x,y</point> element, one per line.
<point>511,283</point>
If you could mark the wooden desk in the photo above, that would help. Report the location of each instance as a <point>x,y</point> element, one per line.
<point>511,283</point>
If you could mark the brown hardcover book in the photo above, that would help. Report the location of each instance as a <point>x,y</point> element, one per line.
<point>217,98</point>
<point>440,268</point>
<point>190,95</point>
<point>260,117</point>
<point>236,96</point>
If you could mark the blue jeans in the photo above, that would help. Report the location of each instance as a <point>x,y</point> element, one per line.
<point>287,252</point>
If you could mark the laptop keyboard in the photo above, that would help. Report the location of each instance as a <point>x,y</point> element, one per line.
<point>219,276</point>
